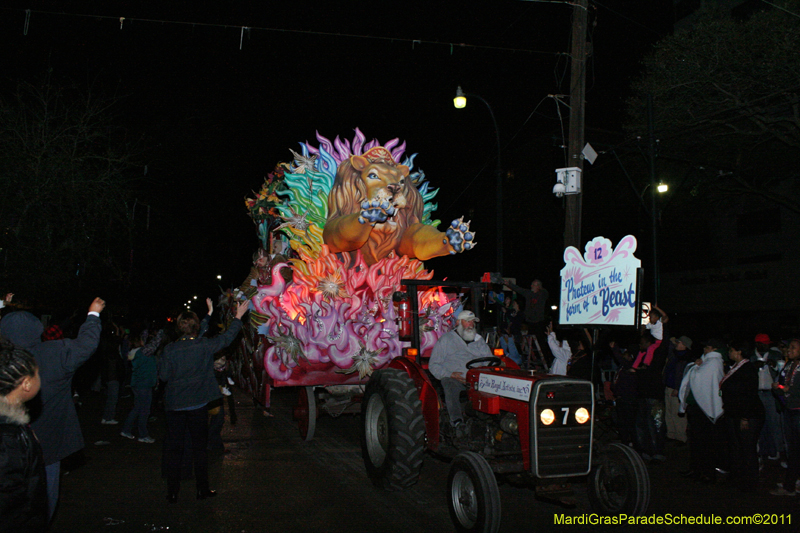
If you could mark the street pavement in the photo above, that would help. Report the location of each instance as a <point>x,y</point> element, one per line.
<point>271,480</point>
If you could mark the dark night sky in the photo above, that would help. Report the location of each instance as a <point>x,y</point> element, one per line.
<point>217,119</point>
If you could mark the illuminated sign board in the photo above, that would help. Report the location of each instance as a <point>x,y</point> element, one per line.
<point>601,286</point>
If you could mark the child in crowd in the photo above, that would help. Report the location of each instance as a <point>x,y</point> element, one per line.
<point>23,483</point>
<point>656,320</point>
<point>655,326</point>
<point>222,375</point>
<point>144,377</point>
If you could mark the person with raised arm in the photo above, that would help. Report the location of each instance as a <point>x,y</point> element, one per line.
<point>55,420</point>
<point>187,368</point>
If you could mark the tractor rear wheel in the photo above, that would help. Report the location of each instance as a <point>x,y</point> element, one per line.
<point>393,430</point>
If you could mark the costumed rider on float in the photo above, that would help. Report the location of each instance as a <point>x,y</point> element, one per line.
<point>449,360</point>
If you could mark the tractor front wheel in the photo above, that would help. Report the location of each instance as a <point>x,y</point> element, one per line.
<point>619,482</point>
<point>393,430</point>
<point>472,495</point>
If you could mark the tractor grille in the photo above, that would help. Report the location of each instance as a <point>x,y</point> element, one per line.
<point>563,448</point>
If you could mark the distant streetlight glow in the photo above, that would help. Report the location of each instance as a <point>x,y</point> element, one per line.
<point>460,101</point>
<point>662,187</point>
<point>195,297</point>
<point>219,277</point>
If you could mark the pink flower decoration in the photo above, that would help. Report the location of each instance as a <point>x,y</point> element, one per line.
<point>597,252</point>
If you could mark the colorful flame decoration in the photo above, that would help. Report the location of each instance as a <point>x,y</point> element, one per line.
<point>340,318</point>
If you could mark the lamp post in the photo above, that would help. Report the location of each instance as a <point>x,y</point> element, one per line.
<point>655,189</point>
<point>654,211</point>
<point>460,102</point>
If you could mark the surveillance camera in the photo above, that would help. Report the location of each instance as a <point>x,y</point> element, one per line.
<point>559,189</point>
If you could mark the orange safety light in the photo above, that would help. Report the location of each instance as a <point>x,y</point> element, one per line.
<point>411,352</point>
<point>497,352</point>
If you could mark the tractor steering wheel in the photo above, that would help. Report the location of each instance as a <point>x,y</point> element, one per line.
<point>493,361</point>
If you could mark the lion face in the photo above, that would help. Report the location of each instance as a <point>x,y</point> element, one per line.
<point>382,182</point>
<point>360,179</point>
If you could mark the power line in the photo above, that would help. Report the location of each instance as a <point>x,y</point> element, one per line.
<point>781,8</point>
<point>627,18</point>
<point>567,2</point>
<point>243,28</point>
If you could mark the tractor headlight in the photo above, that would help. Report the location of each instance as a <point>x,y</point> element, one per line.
<point>582,415</point>
<point>547,417</point>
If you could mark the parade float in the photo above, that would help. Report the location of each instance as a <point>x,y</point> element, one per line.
<point>340,225</point>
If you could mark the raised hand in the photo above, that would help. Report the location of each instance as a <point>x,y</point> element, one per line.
<point>97,306</point>
<point>242,308</point>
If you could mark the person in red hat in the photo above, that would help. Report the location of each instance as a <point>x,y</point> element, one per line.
<point>770,443</point>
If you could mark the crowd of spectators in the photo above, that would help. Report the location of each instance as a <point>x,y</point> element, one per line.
<point>731,400</point>
<point>45,372</point>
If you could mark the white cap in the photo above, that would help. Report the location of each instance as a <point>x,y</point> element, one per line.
<point>467,315</point>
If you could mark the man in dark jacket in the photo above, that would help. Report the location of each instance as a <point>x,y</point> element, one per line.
<point>187,367</point>
<point>535,310</point>
<point>57,423</point>
<point>678,356</point>
<point>624,389</point>
<point>650,430</point>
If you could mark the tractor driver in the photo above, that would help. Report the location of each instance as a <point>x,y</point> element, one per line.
<point>449,360</point>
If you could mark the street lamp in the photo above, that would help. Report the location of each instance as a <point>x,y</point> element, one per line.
<point>460,102</point>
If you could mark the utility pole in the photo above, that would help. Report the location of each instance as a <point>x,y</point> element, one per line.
<point>577,99</point>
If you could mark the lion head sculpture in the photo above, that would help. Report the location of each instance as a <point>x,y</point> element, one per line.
<point>370,205</point>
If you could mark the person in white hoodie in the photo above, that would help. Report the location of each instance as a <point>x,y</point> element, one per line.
<point>702,403</point>
<point>560,350</point>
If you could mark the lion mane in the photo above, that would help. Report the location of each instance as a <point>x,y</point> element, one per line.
<point>346,195</point>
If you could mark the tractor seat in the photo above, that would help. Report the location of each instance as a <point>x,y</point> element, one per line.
<point>437,385</point>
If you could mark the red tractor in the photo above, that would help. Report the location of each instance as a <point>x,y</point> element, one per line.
<point>520,423</point>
